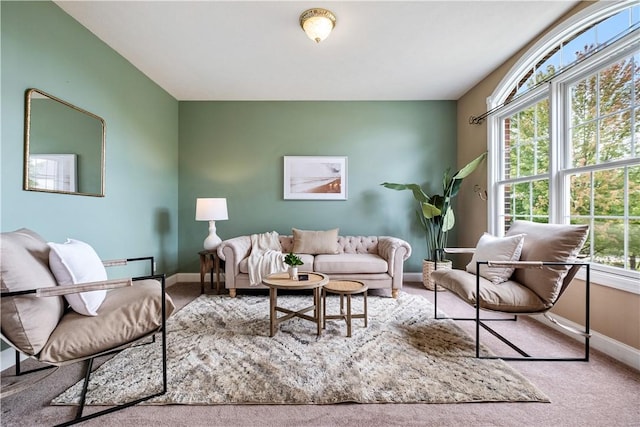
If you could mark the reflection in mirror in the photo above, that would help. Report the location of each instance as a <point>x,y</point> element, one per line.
<point>64,147</point>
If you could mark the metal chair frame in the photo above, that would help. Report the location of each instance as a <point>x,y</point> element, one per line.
<point>524,356</point>
<point>79,417</point>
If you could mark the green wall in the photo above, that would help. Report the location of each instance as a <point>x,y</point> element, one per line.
<point>235,150</point>
<point>226,149</point>
<point>161,154</point>
<point>44,48</point>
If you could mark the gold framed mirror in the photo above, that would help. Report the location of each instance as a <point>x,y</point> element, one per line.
<point>64,147</point>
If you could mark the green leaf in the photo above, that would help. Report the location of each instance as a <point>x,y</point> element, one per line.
<point>429,211</point>
<point>418,194</point>
<point>470,167</point>
<point>438,201</point>
<point>455,187</point>
<point>446,179</point>
<point>448,221</point>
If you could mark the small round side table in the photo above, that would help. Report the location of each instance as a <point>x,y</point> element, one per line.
<point>344,288</point>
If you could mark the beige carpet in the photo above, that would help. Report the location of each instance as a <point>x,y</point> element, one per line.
<point>219,352</point>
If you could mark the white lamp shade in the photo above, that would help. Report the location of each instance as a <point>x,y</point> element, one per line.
<point>211,209</point>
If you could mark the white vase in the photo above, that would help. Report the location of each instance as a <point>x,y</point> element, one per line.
<point>293,273</point>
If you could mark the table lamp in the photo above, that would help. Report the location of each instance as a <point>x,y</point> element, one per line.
<point>211,209</point>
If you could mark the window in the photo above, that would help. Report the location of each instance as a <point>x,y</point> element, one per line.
<point>566,145</point>
<point>53,172</point>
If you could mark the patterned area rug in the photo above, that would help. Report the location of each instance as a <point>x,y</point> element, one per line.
<point>220,352</point>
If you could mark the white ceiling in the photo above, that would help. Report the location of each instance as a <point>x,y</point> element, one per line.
<point>379,50</point>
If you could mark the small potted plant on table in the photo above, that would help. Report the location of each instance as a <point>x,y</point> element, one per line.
<point>293,261</point>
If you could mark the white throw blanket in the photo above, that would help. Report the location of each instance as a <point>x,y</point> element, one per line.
<point>266,257</point>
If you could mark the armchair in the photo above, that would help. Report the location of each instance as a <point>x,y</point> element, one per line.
<point>524,273</point>
<point>36,322</point>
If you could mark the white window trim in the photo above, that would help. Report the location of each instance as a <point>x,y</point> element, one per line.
<point>600,274</point>
<point>589,15</point>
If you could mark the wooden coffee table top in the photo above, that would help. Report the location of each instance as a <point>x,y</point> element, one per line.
<point>282,281</point>
<point>345,286</point>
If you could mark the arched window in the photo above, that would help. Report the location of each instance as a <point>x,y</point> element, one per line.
<point>565,140</point>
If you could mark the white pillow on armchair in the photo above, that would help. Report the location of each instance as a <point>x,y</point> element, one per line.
<point>75,262</point>
<point>492,248</point>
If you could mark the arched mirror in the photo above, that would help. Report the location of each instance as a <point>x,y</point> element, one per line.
<point>64,147</point>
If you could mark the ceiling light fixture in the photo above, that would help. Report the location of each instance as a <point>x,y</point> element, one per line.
<point>317,23</point>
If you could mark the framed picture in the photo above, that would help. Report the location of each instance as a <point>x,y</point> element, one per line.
<point>315,178</point>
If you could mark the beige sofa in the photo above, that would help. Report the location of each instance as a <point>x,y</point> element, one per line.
<point>377,261</point>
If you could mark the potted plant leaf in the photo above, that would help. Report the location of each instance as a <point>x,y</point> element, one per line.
<point>293,261</point>
<point>435,214</point>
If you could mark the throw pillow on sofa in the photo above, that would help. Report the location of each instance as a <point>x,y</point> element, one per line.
<point>76,262</point>
<point>315,242</point>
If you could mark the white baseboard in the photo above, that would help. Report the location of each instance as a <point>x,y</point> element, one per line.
<point>612,348</point>
<point>412,277</point>
<point>195,277</point>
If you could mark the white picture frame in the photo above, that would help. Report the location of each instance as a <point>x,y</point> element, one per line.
<point>315,177</point>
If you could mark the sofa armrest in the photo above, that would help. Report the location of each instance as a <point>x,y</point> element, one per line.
<point>395,251</point>
<point>233,251</point>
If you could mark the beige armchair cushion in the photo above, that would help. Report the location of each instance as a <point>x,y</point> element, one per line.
<point>550,243</point>
<point>509,296</point>
<point>125,315</point>
<point>27,321</point>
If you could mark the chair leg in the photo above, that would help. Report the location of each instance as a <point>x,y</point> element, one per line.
<point>80,418</point>
<point>85,385</point>
<point>586,334</point>
<point>19,371</point>
<point>481,322</point>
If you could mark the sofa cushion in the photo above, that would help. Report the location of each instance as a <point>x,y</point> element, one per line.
<point>547,242</point>
<point>125,315</point>
<point>76,262</point>
<point>27,321</point>
<point>493,248</point>
<point>508,296</point>
<point>350,263</point>
<point>315,242</point>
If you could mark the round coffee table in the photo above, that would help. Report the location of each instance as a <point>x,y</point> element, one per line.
<point>282,281</point>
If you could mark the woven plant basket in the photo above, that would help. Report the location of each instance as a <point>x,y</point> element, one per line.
<point>427,268</point>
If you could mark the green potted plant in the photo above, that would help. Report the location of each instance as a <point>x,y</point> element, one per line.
<point>293,261</point>
<point>435,213</point>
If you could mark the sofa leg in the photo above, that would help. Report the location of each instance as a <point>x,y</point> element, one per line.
<point>232,292</point>
<point>394,293</point>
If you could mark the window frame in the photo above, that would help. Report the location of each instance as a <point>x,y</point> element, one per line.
<point>556,92</point>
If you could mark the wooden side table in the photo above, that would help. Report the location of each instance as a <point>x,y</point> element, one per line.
<point>209,261</point>
<point>344,288</point>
